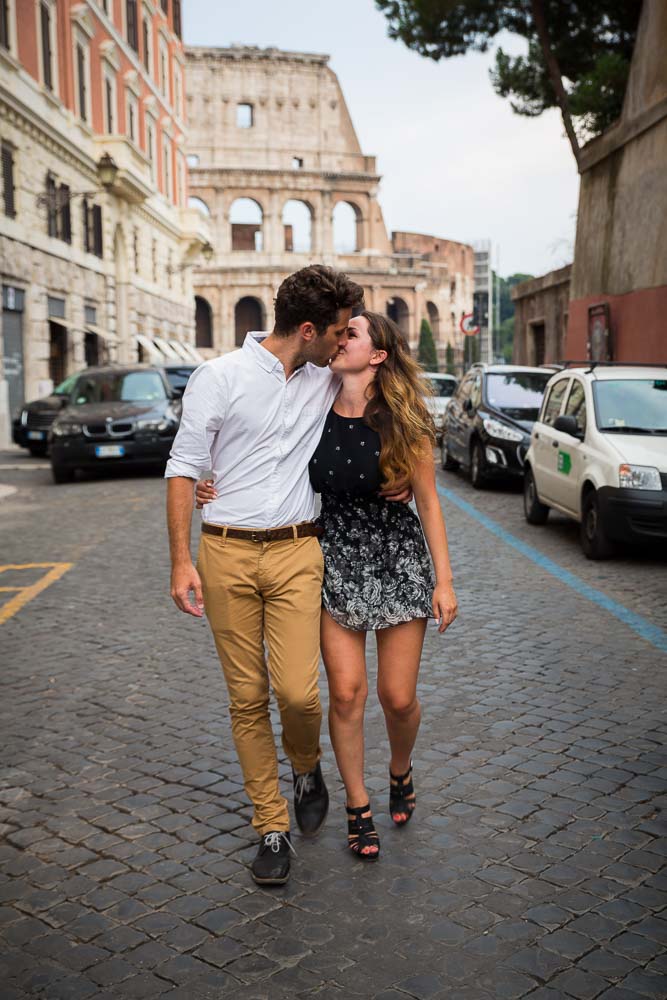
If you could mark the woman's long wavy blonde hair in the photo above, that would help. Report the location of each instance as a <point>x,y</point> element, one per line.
<point>396,406</point>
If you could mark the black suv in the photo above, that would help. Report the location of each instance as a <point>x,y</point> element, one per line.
<point>115,415</point>
<point>488,422</point>
<point>32,423</point>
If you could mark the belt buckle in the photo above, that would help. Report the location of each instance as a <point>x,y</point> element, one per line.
<point>258,536</point>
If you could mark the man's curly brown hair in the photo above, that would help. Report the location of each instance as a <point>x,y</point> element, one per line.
<point>315,295</point>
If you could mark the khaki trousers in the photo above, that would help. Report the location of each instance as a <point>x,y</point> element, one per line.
<point>257,591</point>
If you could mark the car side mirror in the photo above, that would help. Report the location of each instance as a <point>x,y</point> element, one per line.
<point>567,424</point>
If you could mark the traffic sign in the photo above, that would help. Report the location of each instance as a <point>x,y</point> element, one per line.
<point>466,325</point>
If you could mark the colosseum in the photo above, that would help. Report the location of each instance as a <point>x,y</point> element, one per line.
<point>276,165</point>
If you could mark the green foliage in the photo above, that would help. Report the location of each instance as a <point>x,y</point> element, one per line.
<point>591,39</point>
<point>449,360</point>
<point>504,338</point>
<point>427,354</point>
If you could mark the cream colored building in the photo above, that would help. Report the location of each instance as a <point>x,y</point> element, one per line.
<point>277,168</point>
<point>95,257</point>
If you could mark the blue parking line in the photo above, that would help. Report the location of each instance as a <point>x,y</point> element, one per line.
<point>644,628</point>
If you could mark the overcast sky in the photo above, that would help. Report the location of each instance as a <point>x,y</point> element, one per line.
<point>455,160</point>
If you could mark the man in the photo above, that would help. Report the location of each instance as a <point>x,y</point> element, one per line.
<point>255,417</point>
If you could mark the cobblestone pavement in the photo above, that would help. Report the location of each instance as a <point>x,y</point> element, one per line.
<point>535,862</point>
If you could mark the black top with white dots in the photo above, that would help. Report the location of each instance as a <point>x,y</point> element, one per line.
<point>347,459</point>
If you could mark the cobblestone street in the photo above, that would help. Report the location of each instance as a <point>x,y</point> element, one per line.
<point>535,865</point>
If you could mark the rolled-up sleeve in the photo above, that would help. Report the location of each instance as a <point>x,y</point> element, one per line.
<point>204,406</point>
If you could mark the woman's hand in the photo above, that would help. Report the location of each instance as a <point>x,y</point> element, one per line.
<point>204,492</point>
<point>445,606</point>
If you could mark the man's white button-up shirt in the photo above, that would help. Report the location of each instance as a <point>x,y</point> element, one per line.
<point>257,431</point>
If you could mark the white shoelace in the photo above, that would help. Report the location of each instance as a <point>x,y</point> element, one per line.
<point>273,840</point>
<point>304,784</point>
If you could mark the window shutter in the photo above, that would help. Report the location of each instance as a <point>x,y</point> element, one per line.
<point>8,179</point>
<point>97,230</point>
<point>65,213</point>
<point>45,16</point>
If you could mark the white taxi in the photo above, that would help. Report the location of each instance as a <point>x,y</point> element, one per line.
<point>598,453</point>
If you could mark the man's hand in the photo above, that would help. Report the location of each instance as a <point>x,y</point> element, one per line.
<point>204,493</point>
<point>185,580</point>
<point>402,492</point>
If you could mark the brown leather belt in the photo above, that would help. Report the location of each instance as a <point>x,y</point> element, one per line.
<point>307,528</point>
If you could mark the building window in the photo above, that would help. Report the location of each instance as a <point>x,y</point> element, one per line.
<point>150,147</point>
<point>192,160</point>
<point>109,103</point>
<point>92,228</point>
<point>8,179</point>
<point>5,36</point>
<point>51,206</point>
<point>166,167</point>
<point>297,163</point>
<point>176,5</point>
<point>244,116</point>
<point>64,213</point>
<point>178,90</point>
<point>146,39</point>
<point>180,179</point>
<point>132,26</point>
<point>165,5</point>
<point>47,55</point>
<point>132,118</point>
<point>164,69</point>
<point>81,80</point>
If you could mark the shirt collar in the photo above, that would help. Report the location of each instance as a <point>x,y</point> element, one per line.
<point>265,359</point>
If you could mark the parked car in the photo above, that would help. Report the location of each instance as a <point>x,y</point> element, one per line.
<point>489,419</point>
<point>115,415</point>
<point>599,454</point>
<point>443,387</point>
<point>178,375</point>
<point>32,423</point>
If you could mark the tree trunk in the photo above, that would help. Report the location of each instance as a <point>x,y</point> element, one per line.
<point>553,68</point>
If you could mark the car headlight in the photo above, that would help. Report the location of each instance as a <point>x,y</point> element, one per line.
<point>153,425</point>
<point>65,430</point>
<point>498,430</point>
<point>24,417</point>
<point>639,477</point>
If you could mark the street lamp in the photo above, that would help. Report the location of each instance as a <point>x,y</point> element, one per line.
<point>56,198</point>
<point>107,170</point>
<point>206,252</point>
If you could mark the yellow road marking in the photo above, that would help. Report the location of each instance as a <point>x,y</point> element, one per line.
<point>25,594</point>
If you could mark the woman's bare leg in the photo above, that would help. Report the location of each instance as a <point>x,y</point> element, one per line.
<point>399,654</point>
<point>343,652</point>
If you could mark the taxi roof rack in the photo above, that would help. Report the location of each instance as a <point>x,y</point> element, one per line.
<point>592,365</point>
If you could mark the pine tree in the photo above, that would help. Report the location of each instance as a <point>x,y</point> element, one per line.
<point>427,354</point>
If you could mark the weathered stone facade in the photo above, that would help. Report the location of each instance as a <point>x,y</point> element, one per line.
<point>270,128</point>
<point>540,318</point>
<point>619,260</point>
<point>92,272</point>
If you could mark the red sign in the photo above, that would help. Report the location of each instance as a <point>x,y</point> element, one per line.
<point>466,325</point>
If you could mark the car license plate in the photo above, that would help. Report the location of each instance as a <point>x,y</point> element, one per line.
<point>109,451</point>
<point>36,435</point>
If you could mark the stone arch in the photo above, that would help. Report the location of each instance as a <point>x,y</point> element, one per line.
<point>200,205</point>
<point>347,227</point>
<point>297,221</point>
<point>203,322</point>
<point>246,218</point>
<point>397,310</point>
<point>249,314</point>
<point>434,319</point>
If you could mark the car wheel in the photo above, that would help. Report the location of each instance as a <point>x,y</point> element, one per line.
<point>536,512</point>
<point>595,542</point>
<point>477,467</point>
<point>446,459</point>
<point>62,473</point>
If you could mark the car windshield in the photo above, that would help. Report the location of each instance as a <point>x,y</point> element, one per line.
<point>65,387</point>
<point>631,405</point>
<point>178,377</point>
<point>517,394</point>
<point>115,387</point>
<point>442,387</point>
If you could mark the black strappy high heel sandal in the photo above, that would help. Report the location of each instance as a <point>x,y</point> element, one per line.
<point>362,834</point>
<point>402,798</point>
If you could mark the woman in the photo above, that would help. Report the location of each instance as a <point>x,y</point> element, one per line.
<point>377,573</point>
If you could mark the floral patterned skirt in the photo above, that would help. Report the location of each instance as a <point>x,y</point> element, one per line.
<point>377,570</point>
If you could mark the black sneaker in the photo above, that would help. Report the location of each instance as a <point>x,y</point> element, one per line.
<point>311,801</point>
<point>272,862</point>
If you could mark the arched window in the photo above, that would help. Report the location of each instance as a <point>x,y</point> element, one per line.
<point>246,218</point>
<point>397,310</point>
<point>249,315</point>
<point>297,226</point>
<point>434,319</point>
<point>346,228</point>
<point>203,323</point>
<point>200,205</point>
